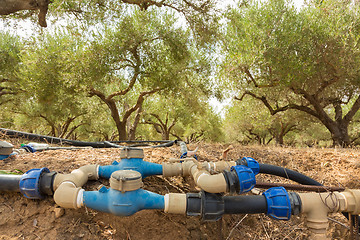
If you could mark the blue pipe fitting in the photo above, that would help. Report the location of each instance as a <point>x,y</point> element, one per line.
<point>184,155</point>
<point>2,157</point>
<point>246,178</point>
<point>28,148</point>
<point>137,164</point>
<point>250,163</point>
<point>122,204</point>
<point>278,203</point>
<point>30,183</point>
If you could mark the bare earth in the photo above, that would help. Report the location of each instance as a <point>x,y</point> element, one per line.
<point>21,218</point>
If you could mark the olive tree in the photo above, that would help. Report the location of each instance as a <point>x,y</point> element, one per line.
<point>306,59</point>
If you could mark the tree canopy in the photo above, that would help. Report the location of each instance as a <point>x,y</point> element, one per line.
<point>298,59</point>
<point>147,69</point>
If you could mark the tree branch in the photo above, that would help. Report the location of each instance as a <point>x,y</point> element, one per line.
<point>355,107</point>
<point>138,103</point>
<point>272,110</point>
<point>324,85</point>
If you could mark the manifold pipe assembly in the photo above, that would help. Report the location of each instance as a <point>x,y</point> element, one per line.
<point>125,197</point>
<point>68,192</point>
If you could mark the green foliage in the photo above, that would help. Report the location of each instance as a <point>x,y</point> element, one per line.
<point>192,117</point>
<point>302,59</point>
<point>10,47</point>
<point>243,124</point>
<point>313,42</point>
<point>143,41</point>
<point>249,121</point>
<point>49,77</point>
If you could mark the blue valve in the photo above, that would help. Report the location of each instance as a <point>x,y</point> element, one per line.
<point>246,178</point>
<point>30,183</point>
<point>278,203</point>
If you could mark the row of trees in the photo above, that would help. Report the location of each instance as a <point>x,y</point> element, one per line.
<point>130,71</point>
<point>143,73</point>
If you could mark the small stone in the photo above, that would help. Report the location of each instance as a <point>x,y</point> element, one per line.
<point>59,212</point>
<point>35,222</point>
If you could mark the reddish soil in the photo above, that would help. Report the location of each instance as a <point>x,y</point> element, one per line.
<point>21,218</point>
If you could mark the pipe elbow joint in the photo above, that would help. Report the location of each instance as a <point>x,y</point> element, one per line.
<point>211,183</point>
<point>67,195</point>
<point>78,177</point>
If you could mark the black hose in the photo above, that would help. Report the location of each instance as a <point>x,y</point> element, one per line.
<point>56,140</point>
<point>110,144</point>
<point>48,139</point>
<point>287,173</point>
<point>141,141</point>
<point>245,204</point>
<point>10,182</point>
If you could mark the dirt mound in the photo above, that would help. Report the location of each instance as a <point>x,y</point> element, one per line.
<point>21,218</point>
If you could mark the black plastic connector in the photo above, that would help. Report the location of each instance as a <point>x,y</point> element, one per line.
<point>46,183</point>
<point>232,181</point>
<point>295,202</point>
<point>210,206</point>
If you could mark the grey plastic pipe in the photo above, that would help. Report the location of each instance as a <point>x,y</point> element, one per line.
<point>10,182</point>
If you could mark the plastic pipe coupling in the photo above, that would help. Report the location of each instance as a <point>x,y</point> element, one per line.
<point>124,197</point>
<point>281,204</point>
<point>131,159</point>
<point>37,183</point>
<point>250,163</point>
<point>239,179</point>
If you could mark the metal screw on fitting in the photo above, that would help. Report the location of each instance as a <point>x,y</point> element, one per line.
<point>126,180</point>
<point>127,153</point>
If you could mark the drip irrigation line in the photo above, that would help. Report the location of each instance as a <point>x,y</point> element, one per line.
<point>141,141</point>
<point>56,140</point>
<point>167,144</point>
